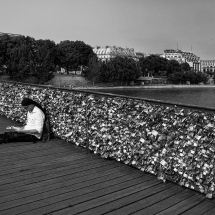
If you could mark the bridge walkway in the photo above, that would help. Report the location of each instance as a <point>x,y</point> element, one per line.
<point>59,178</point>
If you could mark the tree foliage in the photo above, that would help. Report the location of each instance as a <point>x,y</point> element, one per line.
<point>188,76</point>
<point>185,66</point>
<point>4,43</point>
<point>93,69</point>
<point>121,69</point>
<point>154,65</point>
<point>44,64</point>
<point>175,72</point>
<point>174,66</point>
<point>25,57</point>
<point>49,46</point>
<point>20,57</point>
<point>20,63</point>
<point>72,54</point>
<point>126,69</point>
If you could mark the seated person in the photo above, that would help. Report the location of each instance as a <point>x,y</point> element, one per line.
<point>33,129</point>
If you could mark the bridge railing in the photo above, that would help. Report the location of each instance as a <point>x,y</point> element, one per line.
<point>173,141</point>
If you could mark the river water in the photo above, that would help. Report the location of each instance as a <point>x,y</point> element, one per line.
<point>202,96</point>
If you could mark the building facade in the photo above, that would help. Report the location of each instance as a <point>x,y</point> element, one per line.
<point>110,52</point>
<point>207,66</point>
<point>182,57</point>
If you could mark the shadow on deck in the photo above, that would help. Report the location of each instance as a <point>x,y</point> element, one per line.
<point>57,178</point>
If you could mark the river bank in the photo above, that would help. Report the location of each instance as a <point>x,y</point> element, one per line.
<point>145,86</point>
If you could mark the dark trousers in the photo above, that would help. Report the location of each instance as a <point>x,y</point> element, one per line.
<point>11,136</point>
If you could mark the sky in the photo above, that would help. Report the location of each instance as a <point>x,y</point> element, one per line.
<point>148,26</point>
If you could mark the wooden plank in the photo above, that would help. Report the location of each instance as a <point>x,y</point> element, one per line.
<point>41,166</point>
<point>66,199</point>
<point>34,157</point>
<point>15,147</point>
<point>36,161</point>
<point>54,174</point>
<point>44,185</point>
<point>163,204</point>
<point>35,151</point>
<point>74,167</point>
<point>109,174</point>
<point>201,208</point>
<point>81,205</point>
<point>25,155</point>
<point>70,187</point>
<point>45,166</point>
<point>46,158</point>
<point>210,212</point>
<point>133,203</point>
<point>60,162</point>
<point>21,148</point>
<point>70,175</point>
<point>161,207</point>
<point>183,205</point>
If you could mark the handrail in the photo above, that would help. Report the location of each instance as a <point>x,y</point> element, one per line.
<point>153,101</point>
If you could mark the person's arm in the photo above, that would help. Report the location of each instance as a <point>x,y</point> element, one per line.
<point>15,128</point>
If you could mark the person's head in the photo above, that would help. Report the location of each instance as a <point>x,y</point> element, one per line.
<point>28,104</point>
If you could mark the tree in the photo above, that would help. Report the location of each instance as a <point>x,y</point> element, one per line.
<point>129,69</point>
<point>7,44</point>
<point>201,77</point>
<point>105,73</point>
<point>20,62</point>
<point>154,65</point>
<point>82,54</point>
<point>191,76</point>
<point>43,65</point>
<point>120,69</point>
<point>174,66</point>
<point>185,66</point>
<point>71,54</point>
<point>176,77</point>
<point>51,47</point>
<point>93,69</point>
<point>27,57</point>
<point>4,40</point>
<point>64,54</point>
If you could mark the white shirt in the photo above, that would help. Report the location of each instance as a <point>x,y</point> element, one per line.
<point>35,120</point>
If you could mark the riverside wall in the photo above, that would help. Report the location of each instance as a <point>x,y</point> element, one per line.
<point>172,141</point>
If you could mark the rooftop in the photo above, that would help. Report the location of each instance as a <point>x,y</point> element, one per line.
<point>9,34</point>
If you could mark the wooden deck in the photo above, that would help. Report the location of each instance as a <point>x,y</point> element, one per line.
<point>57,178</point>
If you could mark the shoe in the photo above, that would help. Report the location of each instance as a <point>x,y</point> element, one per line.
<point>3,139</point>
